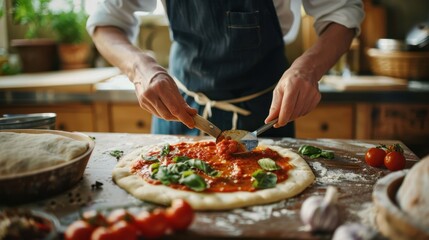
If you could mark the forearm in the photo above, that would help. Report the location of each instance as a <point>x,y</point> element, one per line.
<point>112,43</point>
<point>330,46</point>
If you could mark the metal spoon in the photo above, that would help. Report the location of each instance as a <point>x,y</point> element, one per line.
<point>249,139</point>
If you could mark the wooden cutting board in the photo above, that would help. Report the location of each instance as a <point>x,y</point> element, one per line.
<point>80,80</point>
<point>359,83</point>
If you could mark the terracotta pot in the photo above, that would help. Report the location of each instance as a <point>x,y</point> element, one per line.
<point>37,55</point>
<point>73,56</point>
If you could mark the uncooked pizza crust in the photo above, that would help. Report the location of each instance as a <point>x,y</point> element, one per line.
<point>25,152</point>
<point>300,177</point>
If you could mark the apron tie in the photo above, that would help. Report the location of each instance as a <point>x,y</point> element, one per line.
<point>226,105</point>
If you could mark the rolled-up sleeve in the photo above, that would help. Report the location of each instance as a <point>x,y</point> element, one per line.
<point>348,13</point>
<point>119,13</point>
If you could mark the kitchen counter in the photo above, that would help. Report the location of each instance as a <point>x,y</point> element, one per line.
<point>107,85</point>
<point>347,171</point>
<point>108,103</point>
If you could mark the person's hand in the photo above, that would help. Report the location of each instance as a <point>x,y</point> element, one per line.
<point>161,97</point>
<point>295,95</point>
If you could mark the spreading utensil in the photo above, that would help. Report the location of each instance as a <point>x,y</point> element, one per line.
<point>206,126</point>
<point>249,139</point>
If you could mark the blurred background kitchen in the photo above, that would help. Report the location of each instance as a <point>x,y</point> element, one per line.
<point>378,90</point>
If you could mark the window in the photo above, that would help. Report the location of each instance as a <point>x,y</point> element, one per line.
<point>90,5</point>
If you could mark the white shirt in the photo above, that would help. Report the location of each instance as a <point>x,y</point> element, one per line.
<point>120,13</point>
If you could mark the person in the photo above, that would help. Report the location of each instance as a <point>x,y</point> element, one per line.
<point>227,60</point>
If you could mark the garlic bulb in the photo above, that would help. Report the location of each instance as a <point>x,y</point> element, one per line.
<point>321,213</point>
<point>354,231</point>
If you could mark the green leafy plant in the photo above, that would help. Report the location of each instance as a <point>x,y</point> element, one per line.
<point>1,8</point>
<point>35,14</point>
<point>69,26</point>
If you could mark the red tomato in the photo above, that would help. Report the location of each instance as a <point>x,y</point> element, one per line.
<point>95,218</point>
<point>118,215</point>
<point>78,230</point>
<point>124,230</point>
<point>394,161</point>
<point>180,215</point>
<point>152,224</point>
<point>104,233</point>
<point>375,157</point>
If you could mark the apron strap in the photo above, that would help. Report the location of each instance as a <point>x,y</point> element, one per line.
<point>226,105</point>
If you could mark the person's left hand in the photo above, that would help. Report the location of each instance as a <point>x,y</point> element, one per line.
<point>295,95</point>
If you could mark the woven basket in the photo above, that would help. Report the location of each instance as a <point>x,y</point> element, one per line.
<point>400,64</point>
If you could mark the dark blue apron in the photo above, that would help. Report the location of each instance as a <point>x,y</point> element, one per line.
<point>226,49</point>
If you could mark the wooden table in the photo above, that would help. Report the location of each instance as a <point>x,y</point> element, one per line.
<point>348,172</point>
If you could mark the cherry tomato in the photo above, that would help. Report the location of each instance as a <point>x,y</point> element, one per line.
<point>179,215</point>
<point>394,161</point>
<point>118,215</point>
<point>152,224</point>
<point>375,157</point>
<point>104,233</point>
<point>95,218</point>
<point>78,230</point>
<point>124,230</point>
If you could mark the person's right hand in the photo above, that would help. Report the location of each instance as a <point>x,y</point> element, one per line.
<point>156,91</point>
<point>160,96</point>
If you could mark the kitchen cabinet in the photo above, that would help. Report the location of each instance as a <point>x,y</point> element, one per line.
<point>407,122</point>
<point>70,117</point>
<point>328,120</point>
<point>129,118</point>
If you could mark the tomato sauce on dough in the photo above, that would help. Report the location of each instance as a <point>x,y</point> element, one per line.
<point>235,169</point>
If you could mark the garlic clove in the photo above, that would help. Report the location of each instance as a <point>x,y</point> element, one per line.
<point>354,231</point>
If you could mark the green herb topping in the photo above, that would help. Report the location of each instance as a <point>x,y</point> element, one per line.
<point>262,179</point>
<point>315,152</point>
<point>268,164</point>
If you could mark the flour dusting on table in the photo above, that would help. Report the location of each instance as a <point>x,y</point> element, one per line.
<point>335,175</point>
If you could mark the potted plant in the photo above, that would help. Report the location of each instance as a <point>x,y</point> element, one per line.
<point>73,41</point>
<point>37,51</point>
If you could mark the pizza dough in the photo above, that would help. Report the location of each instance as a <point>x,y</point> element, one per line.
<point>25,152</point>
<point>300,177</point>
<point>412,196</point>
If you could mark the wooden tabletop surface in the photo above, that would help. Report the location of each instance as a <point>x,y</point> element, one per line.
<point>347,171</point>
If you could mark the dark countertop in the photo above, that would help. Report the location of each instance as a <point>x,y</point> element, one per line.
<point>347,171</point>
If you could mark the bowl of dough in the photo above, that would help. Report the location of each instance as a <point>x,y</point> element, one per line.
<point>37,163</point>
<point>401,203</point>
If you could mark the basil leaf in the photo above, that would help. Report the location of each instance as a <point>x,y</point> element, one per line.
<point>193,181</point>
<point>162,175</point>
<point>203,166</point>
<point>149,158</point>
<point>327,154</point>
<point>262,179</point>
<point>165,150</point>
<point>268,164</point>
<point>309,150</point>
<point>177,168</point>
<point>154,169</point>
<point>180,158</point>
<point>117,154</point>
<point>315,152</point>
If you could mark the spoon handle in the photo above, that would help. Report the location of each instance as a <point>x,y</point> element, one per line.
<point>206,126</point>
<point>265,127</point>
